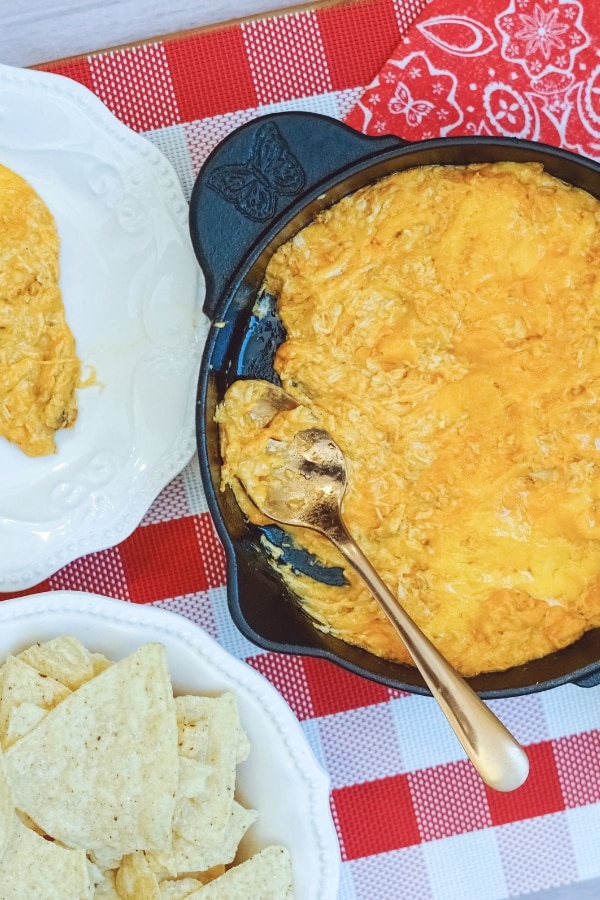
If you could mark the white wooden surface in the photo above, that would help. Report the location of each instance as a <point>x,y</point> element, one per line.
<point>38,31</point>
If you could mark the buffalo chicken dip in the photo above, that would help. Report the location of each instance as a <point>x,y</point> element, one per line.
<point>443,324</point>
<point>39,368</point>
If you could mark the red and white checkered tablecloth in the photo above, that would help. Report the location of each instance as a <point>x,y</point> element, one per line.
<point>414,820</point>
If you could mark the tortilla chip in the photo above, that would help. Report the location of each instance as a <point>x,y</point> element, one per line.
<point>193,715</point>
<point>179,888</point>
<point>32,866</point>
<point>192,727</point>
<point>211,727</point>
<point>193,778</point>
<point>105,859</point>
<point>135,880</point>
<point>97,876</point>
<point>100,662</point>
<point>7,813</point>
<point>243,750</point>
<point>210,874</point>
<point>265,876</point>
<point>63,658</point>
<point>22,683</point>
<point>22,720</point>
<point>105,889</point>
<point>29,823</point>
<point>183,886</point>
<point>188,857</point>
<point>100,771</point>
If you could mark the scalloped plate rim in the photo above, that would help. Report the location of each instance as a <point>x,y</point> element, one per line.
<point>86,110</point>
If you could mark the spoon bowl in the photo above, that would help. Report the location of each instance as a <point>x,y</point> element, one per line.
<point>308,486</point>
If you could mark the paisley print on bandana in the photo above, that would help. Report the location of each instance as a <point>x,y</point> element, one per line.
<point>534,74</point>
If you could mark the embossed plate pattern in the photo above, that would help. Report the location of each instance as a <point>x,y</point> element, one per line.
<point>133,293</point>
<point>280,778</point>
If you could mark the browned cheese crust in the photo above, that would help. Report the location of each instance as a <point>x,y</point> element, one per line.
<point>443,324</point>
<point>39,368</point>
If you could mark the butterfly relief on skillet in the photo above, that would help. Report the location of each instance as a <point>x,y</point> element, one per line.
<point>270,171</point>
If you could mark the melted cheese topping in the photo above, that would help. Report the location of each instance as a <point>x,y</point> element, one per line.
<point>39,369</point>
<point>443,324</point>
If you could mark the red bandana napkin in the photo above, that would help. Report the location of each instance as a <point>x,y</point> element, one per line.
<point>522,69</point>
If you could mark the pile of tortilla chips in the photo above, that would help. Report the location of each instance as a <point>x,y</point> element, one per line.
<point>112,788</point>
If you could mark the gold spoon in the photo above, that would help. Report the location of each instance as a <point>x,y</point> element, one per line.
<point>305,488</point>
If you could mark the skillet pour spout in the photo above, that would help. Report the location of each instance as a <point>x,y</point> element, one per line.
<point>259,187</point>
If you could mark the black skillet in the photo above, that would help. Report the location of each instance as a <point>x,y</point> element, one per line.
<point>263,183</point>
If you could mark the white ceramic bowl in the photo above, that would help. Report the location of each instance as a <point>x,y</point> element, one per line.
<point>280,779</point>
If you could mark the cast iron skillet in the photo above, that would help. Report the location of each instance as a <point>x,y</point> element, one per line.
<point>262,184</point>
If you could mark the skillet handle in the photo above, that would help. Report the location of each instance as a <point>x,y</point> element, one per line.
<point>254,176</point>
<point>589,681</point>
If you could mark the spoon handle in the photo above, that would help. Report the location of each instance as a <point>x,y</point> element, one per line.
<point>500,760</point>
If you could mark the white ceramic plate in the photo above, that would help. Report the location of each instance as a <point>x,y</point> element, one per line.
<point>133,292</point>
<point>280,778</point>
